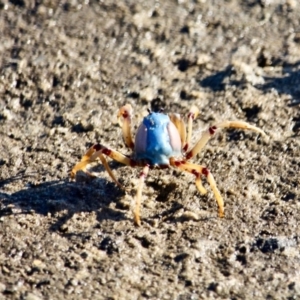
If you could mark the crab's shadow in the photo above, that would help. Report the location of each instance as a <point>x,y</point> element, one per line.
<point>63,199</point>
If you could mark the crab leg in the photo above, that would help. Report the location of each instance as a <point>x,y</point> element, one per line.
<point>124,118</point>
<point>198,170</point>
<point>97,151</point>
<point>138,197</point>
<point>85,160</point>
<point>213,129</point>
<point>194,111</point>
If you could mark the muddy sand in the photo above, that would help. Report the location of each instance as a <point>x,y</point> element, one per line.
<point>66,69</point>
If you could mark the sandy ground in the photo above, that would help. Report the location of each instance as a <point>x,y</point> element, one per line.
<point>66,68</point>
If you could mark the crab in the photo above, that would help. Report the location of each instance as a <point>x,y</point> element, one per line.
<point>162,141</point>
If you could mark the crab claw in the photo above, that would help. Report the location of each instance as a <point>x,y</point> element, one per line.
<point>124,119</point>
<point>124,113</point>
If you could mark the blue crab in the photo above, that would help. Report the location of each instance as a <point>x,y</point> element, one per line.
<point>162,141</point>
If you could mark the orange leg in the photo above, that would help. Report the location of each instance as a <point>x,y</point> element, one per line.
<point>85,160</point>
<point>194,111</point>
<point>213,129</point>
<point>138,197</point>
<point>124,117</point>
<point>198,170</point>
<point>98,151</point>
